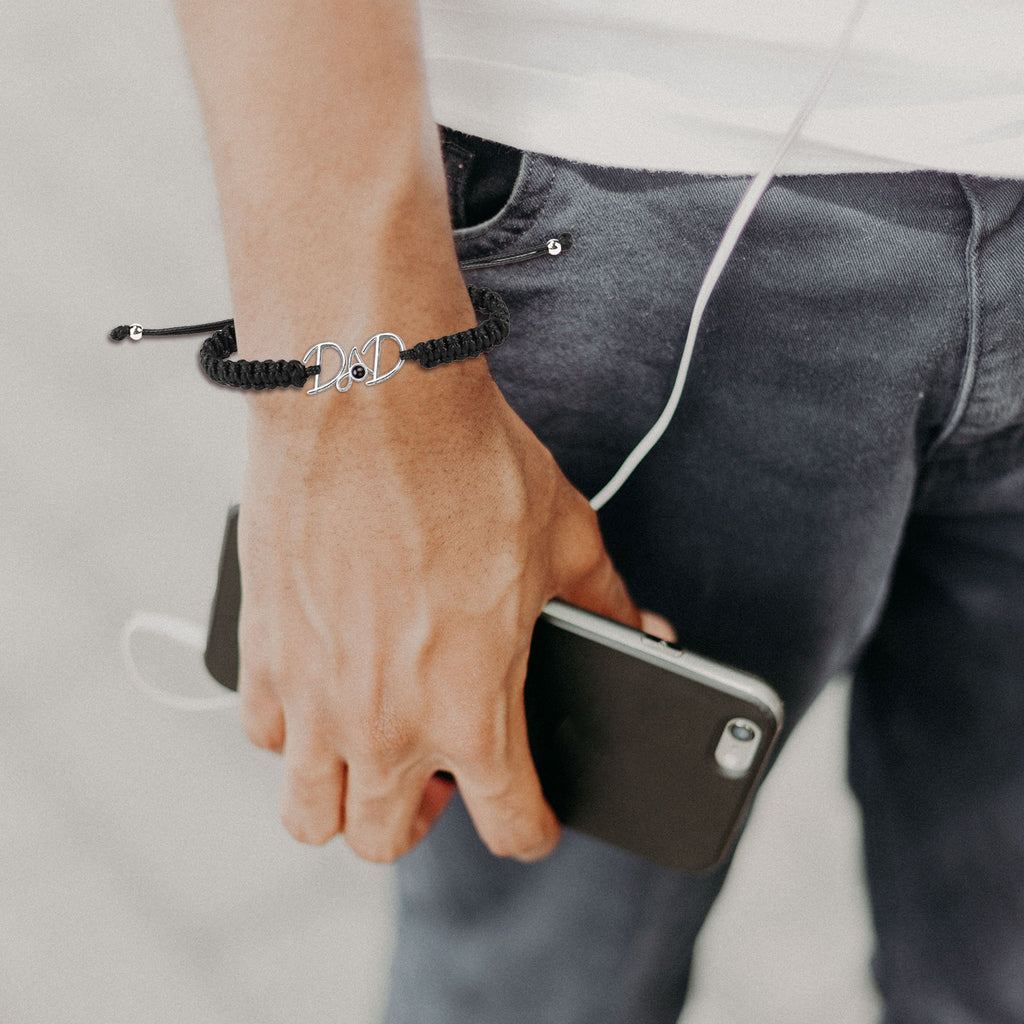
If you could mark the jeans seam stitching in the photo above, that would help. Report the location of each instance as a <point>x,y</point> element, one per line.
<point>968,375</point>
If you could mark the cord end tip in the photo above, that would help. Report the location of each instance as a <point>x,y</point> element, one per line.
<point>133,331</point>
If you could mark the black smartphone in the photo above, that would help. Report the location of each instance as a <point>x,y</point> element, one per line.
<point>637,742</point>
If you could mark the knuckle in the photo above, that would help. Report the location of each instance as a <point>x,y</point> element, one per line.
<point>579,514</point>
<point>586,552</point>
<point>384,745</point>
<point>256,674</point>
<point>311,808</point>
<point>263,725</point>
<point>311,780</point>
<point>478,744</point>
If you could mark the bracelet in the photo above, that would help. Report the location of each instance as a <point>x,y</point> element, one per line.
<point>360,364</point>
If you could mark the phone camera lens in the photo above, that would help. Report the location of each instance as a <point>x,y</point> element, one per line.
<point>742,732</point>
<point>737,747</point>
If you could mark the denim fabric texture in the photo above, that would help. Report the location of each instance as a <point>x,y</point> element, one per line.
<point>842,488</point>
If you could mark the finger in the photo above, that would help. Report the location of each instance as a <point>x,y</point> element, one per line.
<point>584,571</point>
<point>657,625</point>
<point>261,715</point>
<point>602,590</point>
<point>383,810</point>
<point>503,794</point>
<point>440,788</point>
<point>314,788</point>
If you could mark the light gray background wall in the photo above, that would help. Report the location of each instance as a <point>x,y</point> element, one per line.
<point>143,874</point>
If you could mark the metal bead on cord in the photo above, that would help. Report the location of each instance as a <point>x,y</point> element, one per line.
<point>266,374</point>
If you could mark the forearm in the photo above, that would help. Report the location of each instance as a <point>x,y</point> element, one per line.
<point>328,169</point>
<point>396,543</point>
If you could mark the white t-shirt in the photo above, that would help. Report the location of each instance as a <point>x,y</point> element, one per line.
<point>709,86</point>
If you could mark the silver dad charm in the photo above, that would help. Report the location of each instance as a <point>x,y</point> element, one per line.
<point>353,366</point>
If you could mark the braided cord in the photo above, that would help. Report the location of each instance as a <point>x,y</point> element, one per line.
<point>488,334</point>
<point>259,375</point>
<point>249,374</point>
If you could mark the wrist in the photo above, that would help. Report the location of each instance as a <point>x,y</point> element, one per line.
<point>377,256</point>
<point>360,364</point>
<point>332,373</point>
<point>416,400</point>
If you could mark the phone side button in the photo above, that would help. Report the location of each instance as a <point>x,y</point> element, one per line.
<point>657,644</point>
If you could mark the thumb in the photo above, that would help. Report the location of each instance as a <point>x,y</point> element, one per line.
<point>657,625</point>
<point>601,590</point>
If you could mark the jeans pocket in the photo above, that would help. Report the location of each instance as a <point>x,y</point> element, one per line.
<point>495,191</point>
<point>481,177</point>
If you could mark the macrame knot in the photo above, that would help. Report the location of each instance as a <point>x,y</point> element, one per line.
<point>488,334</point>
<point>259,375</point>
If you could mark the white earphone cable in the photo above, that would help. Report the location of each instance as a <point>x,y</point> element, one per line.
<point>192,635</point>
<point>188,634</point>
<point>739,220</point>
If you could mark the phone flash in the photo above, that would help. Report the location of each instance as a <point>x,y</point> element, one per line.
<point>737,747</point>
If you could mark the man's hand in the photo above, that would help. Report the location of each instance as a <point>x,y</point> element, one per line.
<point>397,542</point>
<point>391,587</point>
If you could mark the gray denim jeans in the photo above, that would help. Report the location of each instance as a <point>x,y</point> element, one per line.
<point>842,488</point>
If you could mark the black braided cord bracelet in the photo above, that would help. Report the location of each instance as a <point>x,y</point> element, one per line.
<point>259,375</point>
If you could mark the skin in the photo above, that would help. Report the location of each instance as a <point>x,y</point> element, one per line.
<point>397,543</point>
